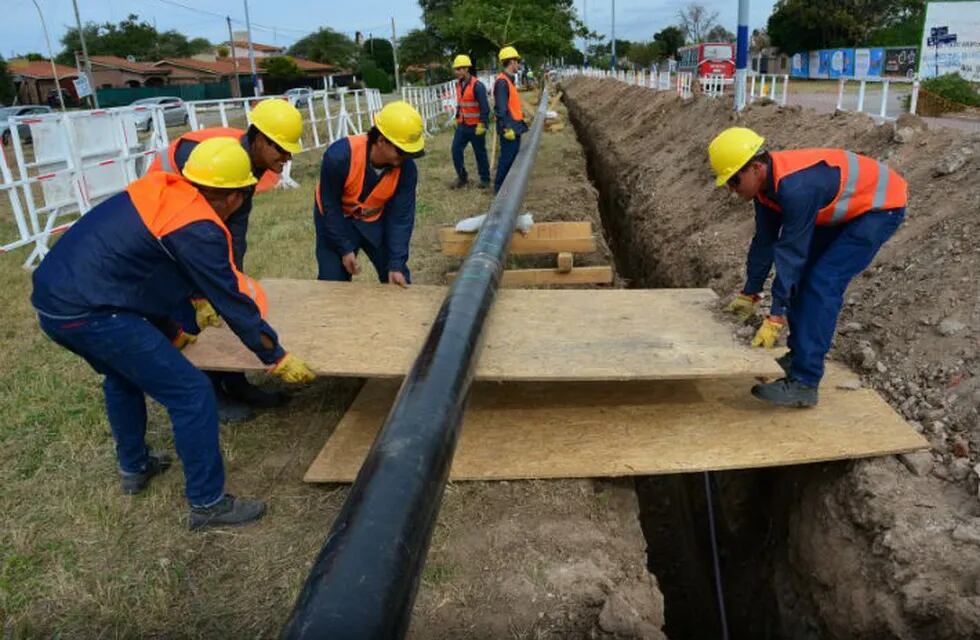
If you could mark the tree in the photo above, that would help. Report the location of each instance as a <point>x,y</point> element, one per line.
<point>696,21</point>
<point>281,67</point>
<point>645,53</point>
<point>373,76</point>
<point>34,57</point>
<point>7,89</point>
<point>131,37</point>
<point>379,50</point>
<point>719,33</point>
<point>421,46</point>
<point>328,47</point>
<point>670,40</point>
<point>759,40</point>
<point>806,25</point>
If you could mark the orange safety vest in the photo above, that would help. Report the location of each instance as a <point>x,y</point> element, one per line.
<point>166,202</point>
<point>865,183</point>
<point>513,100</point>
<point>371,208</point>
<point>469,108</point>
<point>167,161</point>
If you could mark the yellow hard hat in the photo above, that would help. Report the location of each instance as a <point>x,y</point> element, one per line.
<point>280,122</point>
<point>462,60</point>
<point>401,124</point>
<point>508,53</point>
<point>221,163</point>
<point>731,150</point>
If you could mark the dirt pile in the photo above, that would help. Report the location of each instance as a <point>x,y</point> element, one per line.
<point>875,548</point>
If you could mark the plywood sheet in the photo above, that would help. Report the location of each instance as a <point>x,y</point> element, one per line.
<point>375,331</point>
<point>577,430</point>
<point>602,274</point>
<point>543,237</point>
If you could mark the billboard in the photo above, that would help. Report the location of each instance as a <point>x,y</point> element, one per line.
<point>800,65</point>
<point>901,61</point>
<point>841,63</point>
<point>868,63</point>
<point>951,40</point>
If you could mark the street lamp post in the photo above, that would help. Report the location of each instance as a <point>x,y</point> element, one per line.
<point>54,69</point>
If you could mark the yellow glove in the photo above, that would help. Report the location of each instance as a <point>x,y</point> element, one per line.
<point>769,332</point>
<point>481,129</point>
<point>292,370</point>
<point>509,134</point>
<point>743,306</point>
<point>183,339</point>
<point>205,314</point>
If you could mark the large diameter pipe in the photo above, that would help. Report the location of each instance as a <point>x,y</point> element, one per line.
<point>363,583</point>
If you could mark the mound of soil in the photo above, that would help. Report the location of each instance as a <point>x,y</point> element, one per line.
<point>878,548</point>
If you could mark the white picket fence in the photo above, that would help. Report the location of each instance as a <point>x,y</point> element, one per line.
<point>883,105</point>
<point>79,158</point>
<point>774,87</point>
<point>437,103</point>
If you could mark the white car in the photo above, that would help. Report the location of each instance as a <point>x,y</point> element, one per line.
<point>23,130</point>
<point>174,112</point>
<point>300,96</point>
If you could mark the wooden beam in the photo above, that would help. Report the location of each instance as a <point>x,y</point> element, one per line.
<point>566,261</point>
<point>538,277</point>
<point>583,430</point>
<point>544,237</point>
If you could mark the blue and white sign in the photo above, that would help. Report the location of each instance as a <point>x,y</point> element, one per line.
<point>800,65</point>
<point>951,40</point>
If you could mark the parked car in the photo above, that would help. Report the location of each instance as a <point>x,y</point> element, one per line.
<point>24,130</point>
<point>300,96</point>
<point>66,95</point>
<point>174,112</point>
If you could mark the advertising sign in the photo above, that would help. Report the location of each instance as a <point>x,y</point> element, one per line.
<point>951,40</point>
<point>800,66</point>
<point>901,61</point>
<point>841,63</point>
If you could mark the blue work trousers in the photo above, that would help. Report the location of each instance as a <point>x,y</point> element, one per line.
<point>137,360</point>
<point>368,236</point>
<point>466,134</point>
<point>508,153</point>
<point>837,255</point>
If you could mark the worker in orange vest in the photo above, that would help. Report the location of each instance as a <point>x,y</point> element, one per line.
<point>105,292</point>
<point>472,115</point>
<point>509,113</point>
<point>821,215</point>
<point>271,139</point>
<point>365,198</point>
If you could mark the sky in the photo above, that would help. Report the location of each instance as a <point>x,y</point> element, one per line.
<point>282,22</point>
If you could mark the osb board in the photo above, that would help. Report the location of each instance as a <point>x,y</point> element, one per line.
<point>602,274</point>
<point>376,331</point>
<point>543,237</point>
<point>584,430</point>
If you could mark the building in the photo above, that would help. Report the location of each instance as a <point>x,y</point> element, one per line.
<point>113,71</point>
<point>238,48</point>
<point>34,79</point>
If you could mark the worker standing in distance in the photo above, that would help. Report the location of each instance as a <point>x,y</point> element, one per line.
<point>271,139</point>
<point>821,215</point>
<point>509,113</point>
<point>105,292</point>
<point>472,115</point>
<point>365,198</point>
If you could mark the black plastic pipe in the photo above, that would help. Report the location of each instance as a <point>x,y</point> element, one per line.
<point>363,583</point>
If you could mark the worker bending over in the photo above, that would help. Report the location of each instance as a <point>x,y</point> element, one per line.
<point>105,291</point>
<point>271,139</point>
<point>821,215</point>
<point>366,198</point>
<point>509,113</point>
<point>472,114</point>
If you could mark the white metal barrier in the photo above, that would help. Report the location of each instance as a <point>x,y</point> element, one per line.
<point>714,86</point>
<point>882,90</point>
<point>658,81</point>
<point>774,87</point>
<point>436,103</point>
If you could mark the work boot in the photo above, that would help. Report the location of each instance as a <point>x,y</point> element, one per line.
<point>785,361</point>
<point>237,387</point>
<point>133,483</point>
<point>786,392</point>
<point>227,512</point>
<point>459,183</point>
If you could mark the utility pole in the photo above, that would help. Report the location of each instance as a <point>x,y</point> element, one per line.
<point>394,55</point>
<point>54,69</point>
<point>251,53</point>
<point>93,98</point>
<point>236,87</point>
<point>741,54</point>
<point>614,35</point>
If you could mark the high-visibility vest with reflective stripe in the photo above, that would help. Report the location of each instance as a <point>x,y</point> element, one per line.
<point>166,202</point>
<point>371,208</point>
<point>865,183</point>
<point>513,100</point>
<point>469,108</point>
<point>167,160</point>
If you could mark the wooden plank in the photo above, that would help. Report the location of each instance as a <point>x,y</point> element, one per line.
<point>566,261</point>
<point>375,331</point>
<point>539,277</point>
<point>544,237</point>
<point>577,430</point>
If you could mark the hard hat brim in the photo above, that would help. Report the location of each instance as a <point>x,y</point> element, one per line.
<point>722,180</point>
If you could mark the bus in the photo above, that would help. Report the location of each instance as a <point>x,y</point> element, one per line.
<point>707,59</point>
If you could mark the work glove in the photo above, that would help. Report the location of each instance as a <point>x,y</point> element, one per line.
<point>769,332</point>
<point>182,339</point>
<point>743,306</point>
<point>292,370</point>
<point>510,135</point>
<point>481,129</point>
<point>205,314</point>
